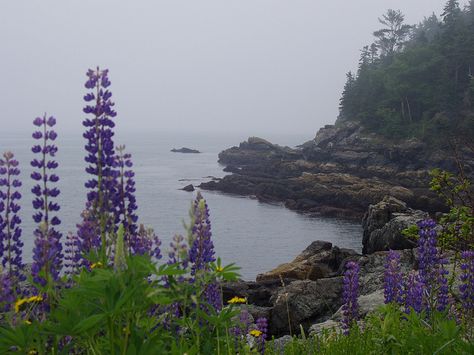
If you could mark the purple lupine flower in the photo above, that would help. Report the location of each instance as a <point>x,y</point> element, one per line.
<point>427,251</point>
<point>442,296</point>
<point>102,195</point>
<point>72,254</point>
<point>7,294</point>
<point>414,292</point>
<point>350,308</point>
<point>145,242</point>
<point>213,296</point>
<point>262,325</point>
<point>88,237</point>
<point>179,251</point>
<point>47,256</point>
<point>10,230</point>
<point>126,206</point>
<point>393,278</point>
<point>467,280</point>
<point>432,267</point>
<point>201,251</point>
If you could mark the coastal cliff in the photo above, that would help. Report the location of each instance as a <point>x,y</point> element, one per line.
<point>339,173</point>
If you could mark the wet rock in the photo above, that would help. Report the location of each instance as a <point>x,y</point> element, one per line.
<point>185,150</point>
<point>188,188</point>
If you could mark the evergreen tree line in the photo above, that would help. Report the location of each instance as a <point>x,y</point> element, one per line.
<point>416,81</point>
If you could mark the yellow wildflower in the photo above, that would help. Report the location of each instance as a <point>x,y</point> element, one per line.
<point>23,301</point>
<point>255,333</point>
<point>219,269</point>
<point>35,299</point>
<point>235,300</point>
<point>20,303</point>
<point>96,265</point>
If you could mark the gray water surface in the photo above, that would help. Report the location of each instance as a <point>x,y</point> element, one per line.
<point>256,236</point>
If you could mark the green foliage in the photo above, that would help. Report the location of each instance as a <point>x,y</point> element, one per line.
<point>388,331</point>
<point>458,223</point>
<point>122,311</point>
<point>416,88</point>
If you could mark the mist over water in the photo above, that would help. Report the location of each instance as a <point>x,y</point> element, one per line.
<point>257,236</point>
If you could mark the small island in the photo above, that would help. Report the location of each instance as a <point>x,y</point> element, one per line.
<point>185,150</point>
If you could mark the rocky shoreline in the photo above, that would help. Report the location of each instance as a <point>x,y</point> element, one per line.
<point>339,173</point>
<point>342,172</point>
<point>307,291</point>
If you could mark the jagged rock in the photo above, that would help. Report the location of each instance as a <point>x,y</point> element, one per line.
<point>383,225</point>
<point>188,188</point>
<point>185,150</point>
<point>256,293</point>
<point>339,173</point>
<point>372,269</point>
<point>319,260</point>
<point>304,303</point>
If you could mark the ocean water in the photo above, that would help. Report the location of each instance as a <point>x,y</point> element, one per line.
<point>256,236</point>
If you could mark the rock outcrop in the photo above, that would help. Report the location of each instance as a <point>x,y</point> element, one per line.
<point>319,260</point>
<point>188,188</point>
<point>293,298</point>
<point>384,222</point>
<point>185,150</point>
<point>339,173</point>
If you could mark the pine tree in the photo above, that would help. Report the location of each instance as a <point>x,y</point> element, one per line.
<point>392,37</point>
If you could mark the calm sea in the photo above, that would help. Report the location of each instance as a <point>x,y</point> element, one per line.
<point>256,236</point>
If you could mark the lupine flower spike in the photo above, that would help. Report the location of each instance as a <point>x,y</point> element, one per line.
<point>262,326</point>
<point>432,266</point>
<point>467,279</point>
<point>350,308</point>
<point>414,293</point>
<point>10,230</point>
<point>393,279</point>
<point>126,203</point>
<point>201,251</point>
<point>100,154</point>
<point>47,256</point>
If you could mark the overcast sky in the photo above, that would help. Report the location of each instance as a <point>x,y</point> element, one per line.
<point>250,66</point>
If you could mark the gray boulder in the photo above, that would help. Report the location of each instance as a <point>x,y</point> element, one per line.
<point>383,225</point>
<point>303,303</point>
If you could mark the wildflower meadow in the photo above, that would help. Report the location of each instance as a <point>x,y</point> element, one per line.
<point>111,287</point>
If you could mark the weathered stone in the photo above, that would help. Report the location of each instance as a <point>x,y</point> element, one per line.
<point>319,260</point>
<point>303,303</point>
<point>188,188</point>
<point>185,150</point>
<point>383,225</point>
<point>339,173</point>
<point>367,304</point>
<point>256,293</point>
<point>329,325</point>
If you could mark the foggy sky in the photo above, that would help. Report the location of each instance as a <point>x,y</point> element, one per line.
<point>250,66</point>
